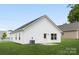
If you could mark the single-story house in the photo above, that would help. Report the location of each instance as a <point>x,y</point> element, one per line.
<point>70,31</point>
<point>41,30</point>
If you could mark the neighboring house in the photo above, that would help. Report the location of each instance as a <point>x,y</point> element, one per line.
<point>41,30</point>
<point>70,31</point>
<point>7,33</point>
<point>1,34</point>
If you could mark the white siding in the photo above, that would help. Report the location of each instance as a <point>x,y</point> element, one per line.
<point>37,31</point>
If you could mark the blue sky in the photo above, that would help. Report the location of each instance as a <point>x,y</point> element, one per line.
<point>14,16</point>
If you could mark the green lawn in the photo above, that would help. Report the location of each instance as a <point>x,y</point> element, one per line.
<point>67,46</point>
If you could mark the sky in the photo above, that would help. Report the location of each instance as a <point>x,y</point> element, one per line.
<point>13,16</point>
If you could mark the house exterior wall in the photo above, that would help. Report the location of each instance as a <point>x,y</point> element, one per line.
<point>15,37</point>
<point>70,34</point>
<point>36,32</point>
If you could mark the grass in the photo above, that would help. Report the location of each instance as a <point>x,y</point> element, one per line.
<point>66,47</point>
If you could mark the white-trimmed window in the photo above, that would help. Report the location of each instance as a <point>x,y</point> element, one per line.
<point>53,36</point>
<point>19,36</point>
<point>16,36</point>
<point>44,35</point>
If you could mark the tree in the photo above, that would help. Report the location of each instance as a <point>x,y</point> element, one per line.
<point>74,13</point>
<point>4,35</point>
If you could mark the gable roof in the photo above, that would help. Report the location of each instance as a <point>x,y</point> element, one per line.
<point>29,23</point>
<point>69,27</point>
<point>44,16</point>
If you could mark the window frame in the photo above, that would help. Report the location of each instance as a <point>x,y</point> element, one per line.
<point>15,36</point>
<point>45,36</point>
<point>53,36</point>
<point>19,37</point>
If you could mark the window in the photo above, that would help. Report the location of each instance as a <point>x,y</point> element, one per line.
<point>53,36</point>
<point>45,35</point>
<point>19,36</point>
<point>15,36</point>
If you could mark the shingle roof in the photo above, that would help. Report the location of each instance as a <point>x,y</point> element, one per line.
<point>69,27</point>
<point>20,28</point>
<point>29,23</point>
